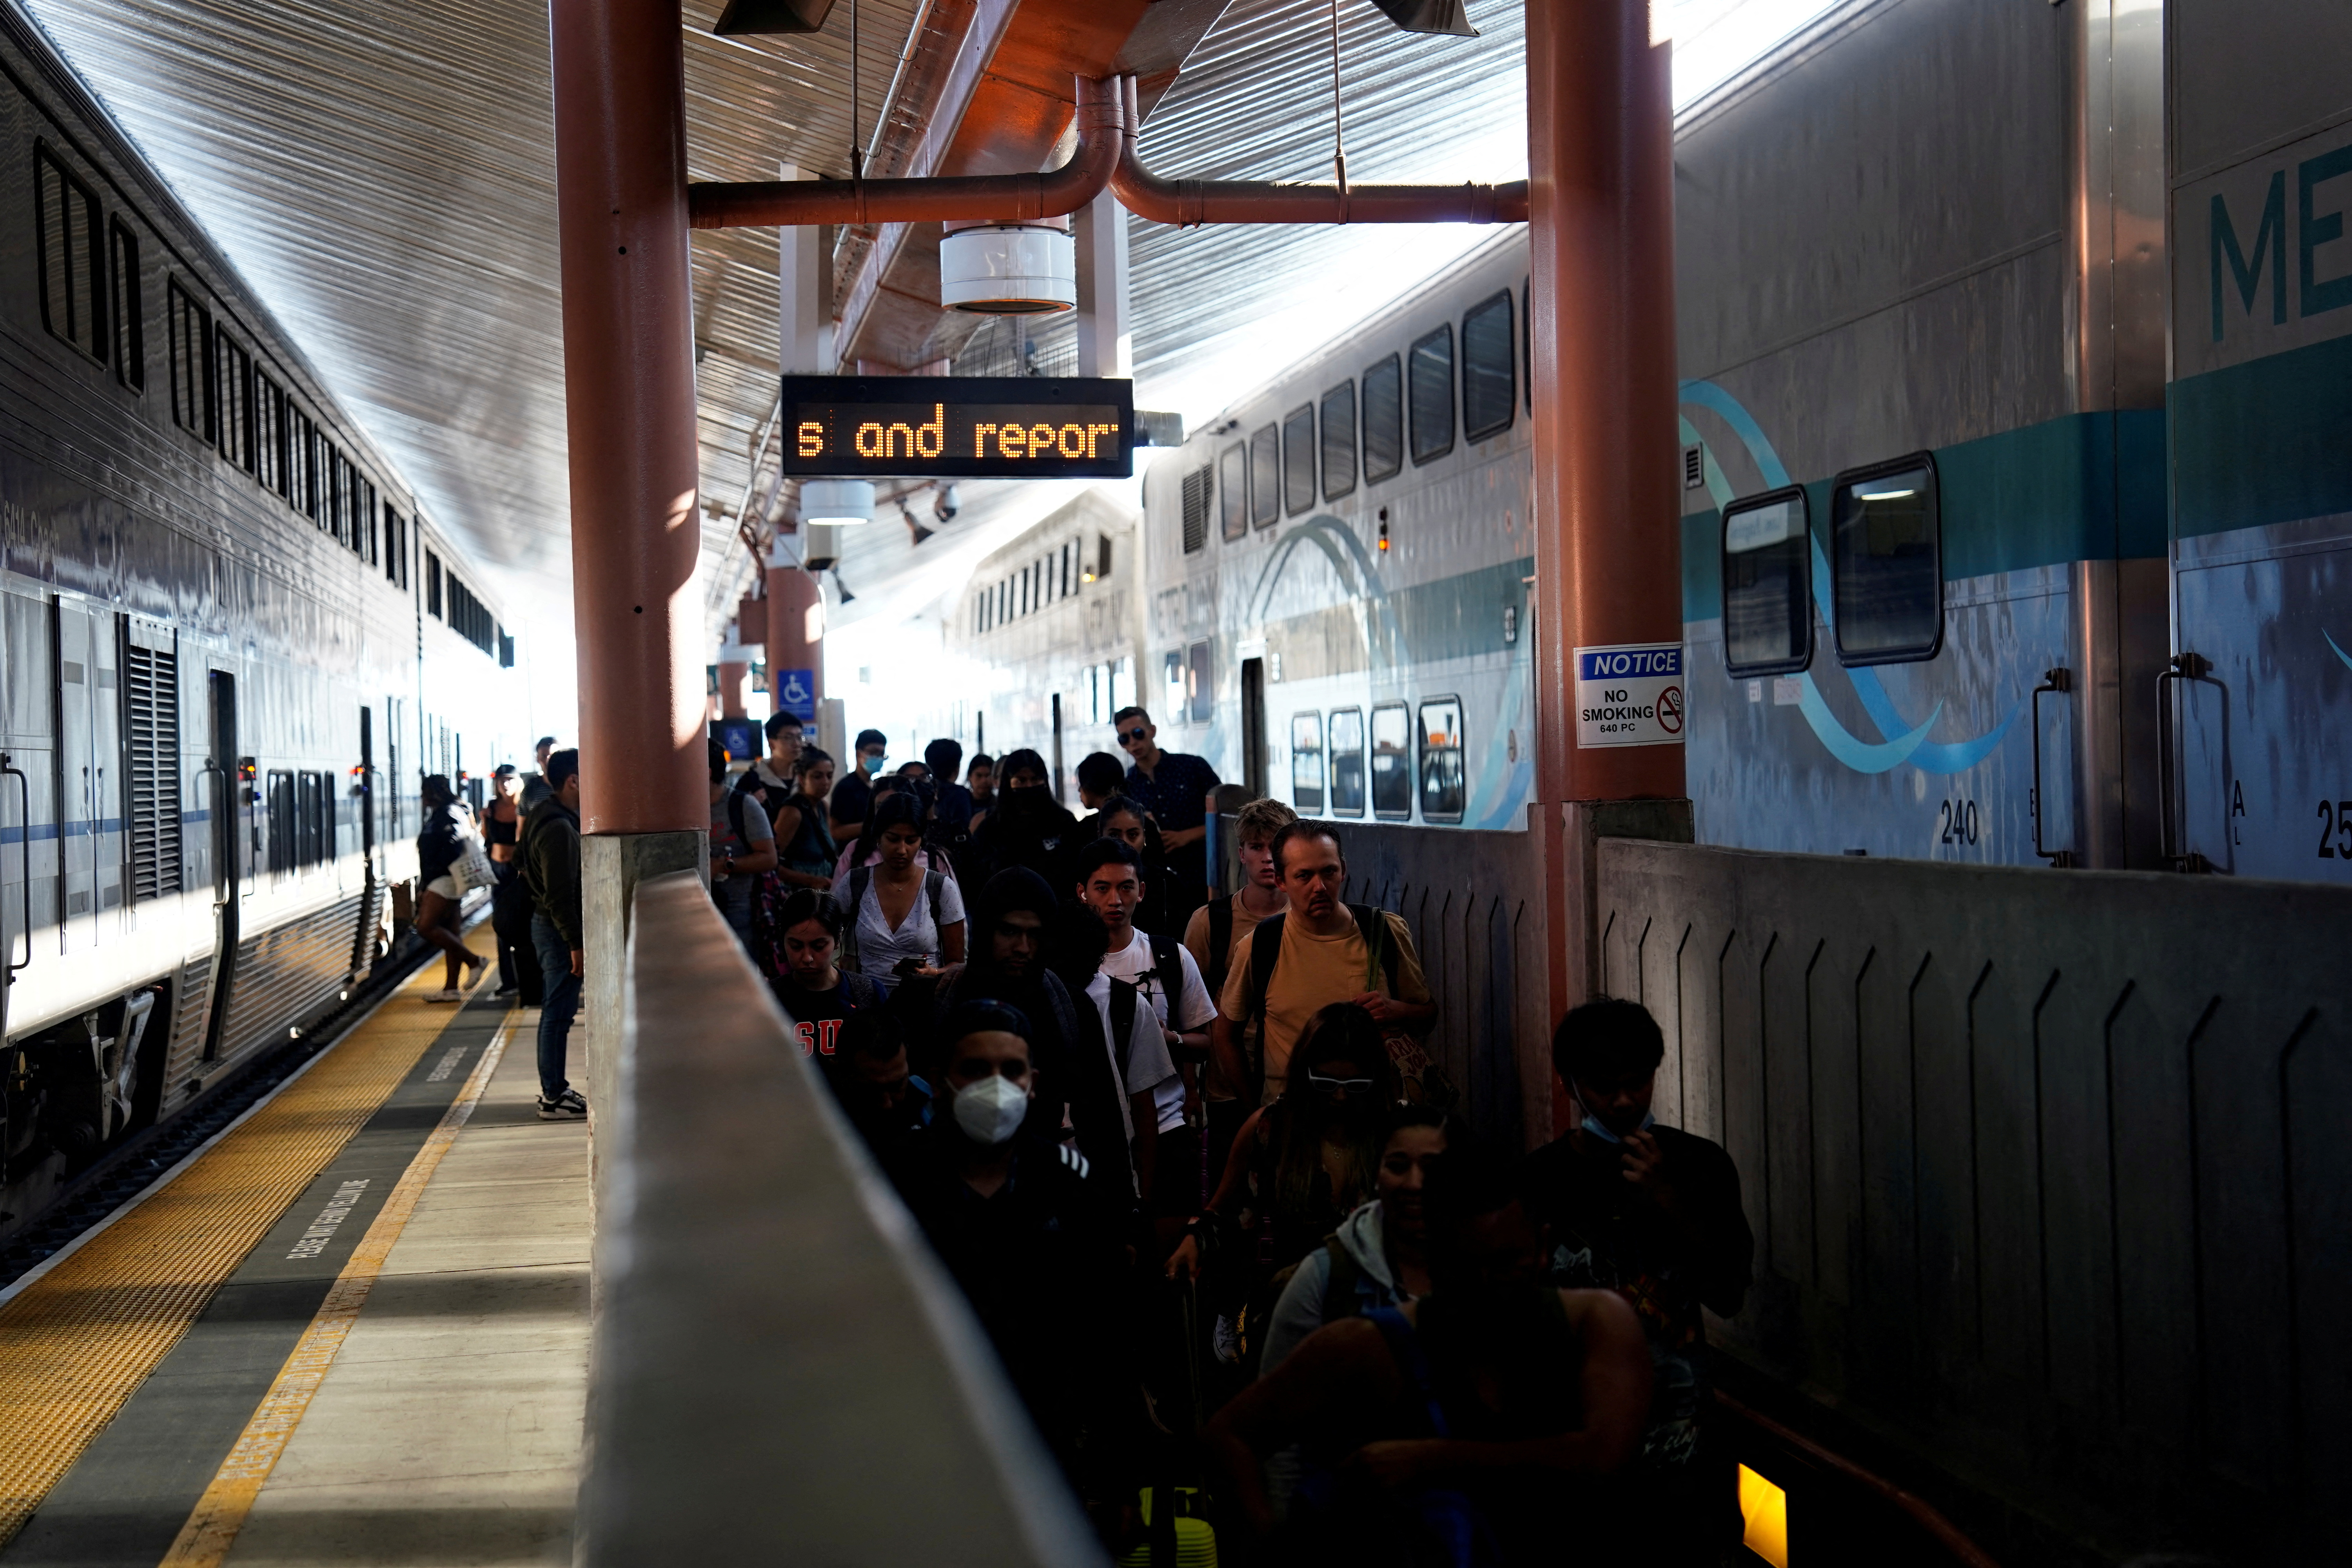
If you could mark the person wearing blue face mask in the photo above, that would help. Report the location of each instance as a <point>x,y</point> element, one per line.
<point>1653,1213</point>
<point>852,796</point>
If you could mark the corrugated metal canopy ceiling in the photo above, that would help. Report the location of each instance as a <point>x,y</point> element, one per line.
<point>382,175</point>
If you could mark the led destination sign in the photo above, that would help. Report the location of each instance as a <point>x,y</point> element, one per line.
<point>957,427</point>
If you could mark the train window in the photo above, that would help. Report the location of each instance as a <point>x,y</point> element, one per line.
<point>1174,681</point>
<point>309,480</point>
<point>369,545</point>
<point>73,264</point>
<point>1198,686</point>
<point>396,548</point>
<point>1196,508</point>
<point>233,396</point>
<point>1340,440</point>
<point>1102,556</point>
<point>1392,762</point>
<point>1266,476</point>
<point>1442,788</point>
<point>1433,394</point>
<point>338,485</point>
<point>189,326</point>
<point>269,434</point>
<point>1384,420</point>
<point>1307,762</point>
<point>1767,602</point>
<point>1348,762</point>
<point>1298,460</point>
<point>307,833</point>
<point>151,701</point>
<point>280,803</point>
<point>432,584</point>
<point>1886,566</point>
<point>130,300</point>
<point>1233,492</point>
<point>1489,383</point>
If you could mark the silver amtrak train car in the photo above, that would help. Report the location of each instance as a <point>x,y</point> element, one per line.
<point>2012,516</point>
<point>230,649</point>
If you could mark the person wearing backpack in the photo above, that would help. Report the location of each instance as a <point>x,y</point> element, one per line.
<point>1483,1425</point>
<point>1211,936</point>
<point>1378,1256</point>
<point>1156,1013</point>
<point>1319,951</point>
<point>904,919</point>
<point>742,847</point>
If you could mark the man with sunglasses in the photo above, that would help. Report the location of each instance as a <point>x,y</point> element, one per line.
<point>1175,787</point>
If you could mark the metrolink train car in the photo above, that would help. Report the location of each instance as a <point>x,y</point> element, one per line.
<point>1044,644</point>
<point>2016,485</point>
<point>1336,569</point>
<point>228,647</point>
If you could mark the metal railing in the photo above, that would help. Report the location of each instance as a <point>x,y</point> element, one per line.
<point>781,1370</point>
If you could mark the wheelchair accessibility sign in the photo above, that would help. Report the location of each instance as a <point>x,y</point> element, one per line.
<point>1630,695</point>
<point>795,692</point>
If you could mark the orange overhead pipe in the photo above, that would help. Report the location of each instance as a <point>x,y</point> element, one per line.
<point>766,203</point>
<point>1189,203</point>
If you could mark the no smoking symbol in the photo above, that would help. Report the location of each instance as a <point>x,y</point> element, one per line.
<point>1670,709</point>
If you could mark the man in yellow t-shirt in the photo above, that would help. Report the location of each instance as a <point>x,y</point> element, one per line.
<point>1323,958</point>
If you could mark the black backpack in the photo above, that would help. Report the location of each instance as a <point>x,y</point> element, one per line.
<point>1265,952</point>
<point>934,887</point>
<point>1127,1000</point>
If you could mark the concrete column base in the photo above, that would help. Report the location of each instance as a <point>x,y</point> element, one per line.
<point>1572,830</point>
<point>611,867</point>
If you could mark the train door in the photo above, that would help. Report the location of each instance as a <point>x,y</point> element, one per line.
<point>232,812</point>
<point>28,864</point>
<point>1057,701</point>
<point>363,797</point>
<point>1254,727</point>
<point>88,773</point>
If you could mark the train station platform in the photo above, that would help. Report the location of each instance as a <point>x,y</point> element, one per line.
<point>351,1328</point>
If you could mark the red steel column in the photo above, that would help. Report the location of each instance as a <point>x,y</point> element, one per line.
<point>791,594</point>
<point>628,364</point>
<point>1608,550</point>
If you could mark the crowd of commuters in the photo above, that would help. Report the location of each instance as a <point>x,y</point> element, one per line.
<point>1197,1170</point>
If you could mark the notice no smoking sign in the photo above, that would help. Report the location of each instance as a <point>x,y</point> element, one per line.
<point>1630,695</point>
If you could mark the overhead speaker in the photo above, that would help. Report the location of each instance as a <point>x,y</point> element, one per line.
<point>745,17</point>
<point>1441,16</point>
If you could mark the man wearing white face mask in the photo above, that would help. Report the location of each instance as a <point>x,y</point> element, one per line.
<point>1031,1234</point>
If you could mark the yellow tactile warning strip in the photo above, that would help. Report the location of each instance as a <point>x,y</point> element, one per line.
<point>205,1539</point>
<point>78,1342</point>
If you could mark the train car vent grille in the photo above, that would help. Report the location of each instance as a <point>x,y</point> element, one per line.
<point>151,696</point>
<point>1196,508</point>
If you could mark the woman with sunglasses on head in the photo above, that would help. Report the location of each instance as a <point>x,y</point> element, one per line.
<point>1299,1166</point>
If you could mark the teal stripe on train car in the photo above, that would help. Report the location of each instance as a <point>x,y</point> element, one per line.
<point>2265,442</point>
<point>2087,487</point>
<point>1460,617</point>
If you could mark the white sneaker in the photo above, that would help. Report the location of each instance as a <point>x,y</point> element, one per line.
<point>445,994</point>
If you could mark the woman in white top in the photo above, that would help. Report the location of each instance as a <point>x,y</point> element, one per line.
<point>903,919</point>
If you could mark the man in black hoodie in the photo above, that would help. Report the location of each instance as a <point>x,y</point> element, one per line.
<point>1016,926</point>
<point>551,858</point>
<point>1032,1231</point>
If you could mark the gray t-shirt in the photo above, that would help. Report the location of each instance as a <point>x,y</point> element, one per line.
<point>733,894</point>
